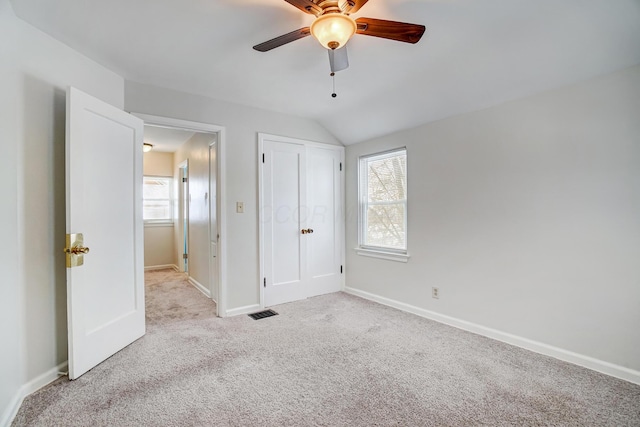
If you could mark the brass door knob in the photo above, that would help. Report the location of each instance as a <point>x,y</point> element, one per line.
<point>306,231</point>
<point>74,250</point>
<point>77,250</point>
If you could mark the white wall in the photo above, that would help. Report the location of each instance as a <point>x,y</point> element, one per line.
<point>526,216</point>
<point>158,239</point>
<point>159,246</point>
<point>196,151</point>
<point>157,163</point>
<point>242,125</point>
<point>36,71</point>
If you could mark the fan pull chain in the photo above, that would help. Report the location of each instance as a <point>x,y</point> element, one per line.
<point>333,77</point>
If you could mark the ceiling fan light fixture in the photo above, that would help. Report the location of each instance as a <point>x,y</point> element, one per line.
<point>333,30</point>
<point>146,147</point>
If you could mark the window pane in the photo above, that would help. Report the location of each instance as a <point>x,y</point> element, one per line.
<point>156,188</point>
<point>386,178</point>
<point>385,226</point>
<point>157,209</point>
<point>383,200</point>
<point>157,199</point>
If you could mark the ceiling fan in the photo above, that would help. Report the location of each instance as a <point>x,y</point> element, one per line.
<point>334,27</point>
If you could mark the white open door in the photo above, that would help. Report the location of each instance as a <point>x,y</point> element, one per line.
<point>105,295</point>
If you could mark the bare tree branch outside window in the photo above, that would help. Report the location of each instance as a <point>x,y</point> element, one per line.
<point>385,200</point>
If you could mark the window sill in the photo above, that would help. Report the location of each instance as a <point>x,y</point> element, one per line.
<point>390,256</point>
<point>158,224</point>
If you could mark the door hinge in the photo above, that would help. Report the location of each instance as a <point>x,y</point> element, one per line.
<point>340,165</point>
<point>185,179</point>
<point>262,157</point>
<point>340,269</point>
<point>264,284</point>
<point>185,256</point>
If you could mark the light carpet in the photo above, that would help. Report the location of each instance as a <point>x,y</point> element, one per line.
<point>334,360</point>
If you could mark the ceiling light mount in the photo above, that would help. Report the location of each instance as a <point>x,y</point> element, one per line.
<point>146,147</point>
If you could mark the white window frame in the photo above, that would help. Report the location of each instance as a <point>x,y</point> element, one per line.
<point>382,252</point>
<point>161,222</point>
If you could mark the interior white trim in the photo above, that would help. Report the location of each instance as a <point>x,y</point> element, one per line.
<point>158,224</point>
<point>222,196</point>
<point>161,267</point>
<point>199,286</point>
<point>243,310</point>
<point>307,143</point>
<point>535,346</point>
<point>28,388</point>
<point>391,256</point>
<point>343,218</point>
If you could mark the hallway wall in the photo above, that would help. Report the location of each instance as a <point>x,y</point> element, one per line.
<point>196,151</point>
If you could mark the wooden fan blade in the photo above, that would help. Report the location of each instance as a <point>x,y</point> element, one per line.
<point>351,6</point>
<point>307,6</point>
<point>284,39</point>
<point>399,31</point>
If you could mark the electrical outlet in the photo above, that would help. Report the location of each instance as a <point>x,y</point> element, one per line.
<point>435,292</point>
<point>240,207</point>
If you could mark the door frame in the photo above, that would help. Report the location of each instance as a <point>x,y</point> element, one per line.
<point>261,214</point>
<point>214,265</point>
<point>183,216</point>
<point>221,259</point>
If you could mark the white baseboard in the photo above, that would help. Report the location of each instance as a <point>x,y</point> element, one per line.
<point>243,310</point>
<point>535,346</point>
<point>28,388</point>
<point>161,267</point>
<point>199,286</point>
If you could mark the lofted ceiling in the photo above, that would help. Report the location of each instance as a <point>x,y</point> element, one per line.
<point>474,54</point>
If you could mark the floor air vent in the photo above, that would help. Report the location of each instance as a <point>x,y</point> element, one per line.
<point>262,314</point>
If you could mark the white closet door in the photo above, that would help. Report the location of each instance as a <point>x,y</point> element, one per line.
<point>301,219</point>
<point>284,189</point>
<point>324,212</point>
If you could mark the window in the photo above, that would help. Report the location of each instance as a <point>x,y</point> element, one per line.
<point>156,207</point>
<point>383,204</point>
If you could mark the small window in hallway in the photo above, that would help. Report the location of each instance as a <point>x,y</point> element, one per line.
<point>157,206</point>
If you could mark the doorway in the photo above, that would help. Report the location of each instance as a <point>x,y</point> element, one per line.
<point>199,205</point>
